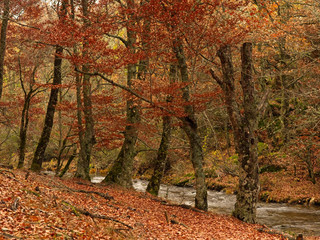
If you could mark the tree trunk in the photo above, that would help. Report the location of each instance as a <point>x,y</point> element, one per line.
<point>160,163</point>
<point>309,162</point>
<point>23,129</point>
<point>65,169</point>
<point>161,160</point>
<point>48,123</point>
<point>82,154</point>
<point>3,40</point>
<point>244,127</point>
<point>121,170</point>
<point>62,147</point>
<point>284,80</point>
<point>191,129</point>
<point>88,139</point>
<point>24,122</point>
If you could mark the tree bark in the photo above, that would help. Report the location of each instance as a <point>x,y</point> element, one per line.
<point>161,160</point>
<point>160,163</point>
<point>191,129</point>
<point>121,170</point>
<point>82,153</point>
<point>48,122</point>
<point>65,169</point>
<point>3,40</point>
<point>87,140</point>
<point>24,122</point>
<point>284,98</point>
<point>244,127</point>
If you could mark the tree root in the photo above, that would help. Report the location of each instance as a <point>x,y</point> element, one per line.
<point>8,236</point>
<point>274,232</point>
<point>79,211</point>
<point>104,195</point>
<point>6,166</point>
<point>173,221</point>
<point>15,204</point>
<point>3,171</point>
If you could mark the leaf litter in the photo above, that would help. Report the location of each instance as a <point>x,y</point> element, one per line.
<point>45,207</point>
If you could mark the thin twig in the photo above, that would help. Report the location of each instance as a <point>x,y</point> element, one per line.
<point>92,215</point>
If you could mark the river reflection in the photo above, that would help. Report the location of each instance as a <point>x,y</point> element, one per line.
<point>283,217</point>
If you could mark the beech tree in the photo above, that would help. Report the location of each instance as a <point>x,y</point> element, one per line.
<point>29,92</point>
<point>162,153</point>
<point>244,127</point>
<point>87,139</point>
<point>123,96</point>
<point>121,171</point>
<point>48,122</point>
<point>190,127</point>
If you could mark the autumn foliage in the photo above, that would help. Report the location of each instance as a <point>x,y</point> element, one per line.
<point>127,65</point>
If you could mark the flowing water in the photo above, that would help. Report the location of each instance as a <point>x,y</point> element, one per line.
<point>278,216</point>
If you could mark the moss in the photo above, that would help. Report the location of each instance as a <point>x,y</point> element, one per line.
<point>264,196</point>
<point>263,148</point>
<point>32,192</point>
<point>182,183</point>
<point>35,167</point>
<point>271,168</point>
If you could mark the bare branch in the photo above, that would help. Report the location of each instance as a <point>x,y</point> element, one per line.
<point>119,85</point>
<point>215,77</point>
<point>125,42</point>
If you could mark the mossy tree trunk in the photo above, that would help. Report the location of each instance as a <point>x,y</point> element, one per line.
<point>121,170</point>
<point>82,166</point>
<point>284,80</point>
<point>244,127</point>
<point>190,127</point>
<point>87,139</point>
<point>65,169</point>
<point>161,160</point>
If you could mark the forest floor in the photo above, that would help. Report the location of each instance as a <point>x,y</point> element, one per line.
<point>34,206</point>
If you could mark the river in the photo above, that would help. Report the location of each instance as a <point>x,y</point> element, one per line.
<point>278,216</point>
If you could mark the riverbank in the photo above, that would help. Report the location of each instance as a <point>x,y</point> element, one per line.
<point>279,187</point>
<point>283,179</point>
<point>288,218</point>
<point>45,207</point>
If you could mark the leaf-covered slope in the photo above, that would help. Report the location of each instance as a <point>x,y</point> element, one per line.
<point>44,207</point>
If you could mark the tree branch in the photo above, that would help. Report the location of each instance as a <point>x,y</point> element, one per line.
<point>215,77</point>
<point>120,86</point>
<point>92,215</point>
<point>125,42</point>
